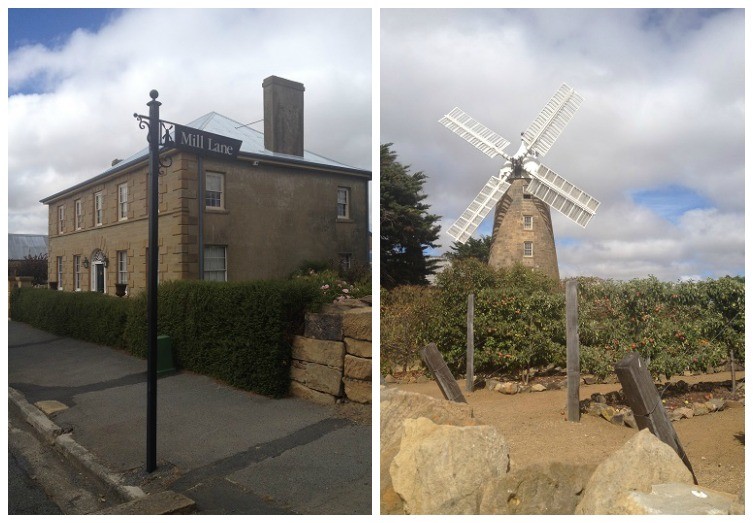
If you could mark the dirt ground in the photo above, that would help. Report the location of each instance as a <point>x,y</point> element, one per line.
<point>536,428</point>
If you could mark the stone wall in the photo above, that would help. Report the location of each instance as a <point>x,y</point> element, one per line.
<point>332,360</point>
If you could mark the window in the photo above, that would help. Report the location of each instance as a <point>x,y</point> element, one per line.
<point>123,201</point>
<point>60,272</point>
<point>122,267</point>
<point>346,261</point>
<point>528,249</point>
<point>526,196</point>
<point>61,219</point>
<point>98,208</point>
<point>214,183</point>
<point>343,202</point>
<point>528,222</point>
<point>215,263</point>
<point>77,273</point>
<point>79,217</point>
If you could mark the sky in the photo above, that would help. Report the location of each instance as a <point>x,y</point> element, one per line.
<point>659,138</point>
<point>76,76</point>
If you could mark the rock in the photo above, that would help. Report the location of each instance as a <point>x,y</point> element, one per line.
<point>676,499</point>
<point>389,378</point>
<point>508,387</point>
<point>590,380</point>
<point>491,383</point>
<point>358,368</point>
<point>396,406</point>
<point>673,415</point>
<point>301,391</point>
<point>440,469</point>
<point>595,409</point>
<point>357,390</point>
<point>608,413</point>
<point>684,412</point>
<point>715,404</point>
<point>618,419</point>
<point>324,326</point>
<point>323,352</point>
<point>629,418</point>
<point>356,323</point>
<point>551,488</point>
<point>641,462</point>
<point>699,409</point>
<point>598,398</point>
<point>358,348</point>
<point>318,377</point>
<point>538,387</point>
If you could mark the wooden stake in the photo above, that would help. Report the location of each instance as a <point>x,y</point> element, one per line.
<point>573,351</point>
<point>437,366</point>
<point>469,344</point>
<point>643,398</point>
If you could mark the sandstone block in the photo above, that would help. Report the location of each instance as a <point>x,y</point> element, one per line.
<point>675,499</point>
<point>356,323</point>
<point>324,352</point>
<point>357,368</point>
<point>395,406</point>
<point>641,462</point>
<point>358,348</point>
<point>441,469</point>
<point>508,387</point>
<point>317,377</point>
<point>357,390</point>
<point>302,391</point>
<point>324,326</point>
<point>538,387</point>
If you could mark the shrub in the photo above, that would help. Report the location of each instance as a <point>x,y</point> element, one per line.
<point>332,287</point>
<point>239,333</point>
<point>87,316</point>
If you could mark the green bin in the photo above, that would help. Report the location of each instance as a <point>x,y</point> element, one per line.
<point>165,362</point>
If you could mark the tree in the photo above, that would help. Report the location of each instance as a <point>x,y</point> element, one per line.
<point>407,228</point>
<point>473,248</point>
<point>34,265</point>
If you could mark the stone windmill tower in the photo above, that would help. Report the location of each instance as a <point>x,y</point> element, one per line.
<point>524,189</point>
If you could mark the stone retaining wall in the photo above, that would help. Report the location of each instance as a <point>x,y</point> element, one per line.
<point>332,360</point>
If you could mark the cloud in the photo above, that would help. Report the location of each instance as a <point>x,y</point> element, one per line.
<point>661,109</point>
<point>71,106</point>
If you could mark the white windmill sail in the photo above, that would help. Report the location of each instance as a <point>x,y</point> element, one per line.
<point>552,119</point>
<point>475,133</point>
<point>575,203</point>
<point>479,208</point>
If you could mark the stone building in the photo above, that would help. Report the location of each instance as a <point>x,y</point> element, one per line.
<point>523,232</point>
<point>264,212</point>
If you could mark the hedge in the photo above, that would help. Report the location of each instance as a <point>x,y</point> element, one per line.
<point>88,316</point>
<point>239,333</point>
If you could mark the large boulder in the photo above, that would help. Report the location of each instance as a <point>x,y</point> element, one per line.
<point>550,488</point>
<point>676,498</point>
<point>441,469</point>
<point>395,407</point>
<point>643,461</point>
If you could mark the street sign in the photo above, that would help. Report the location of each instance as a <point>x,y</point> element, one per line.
<point>202,142</point>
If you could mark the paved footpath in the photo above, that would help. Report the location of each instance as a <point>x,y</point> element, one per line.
<point>230,451</point>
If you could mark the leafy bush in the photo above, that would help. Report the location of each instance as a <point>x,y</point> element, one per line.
<point>332,287</point>
<point>87,316</point>
<point>239,333</point>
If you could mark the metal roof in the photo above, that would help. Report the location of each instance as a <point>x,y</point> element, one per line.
<point>23,245</point>
<point>253,146</point>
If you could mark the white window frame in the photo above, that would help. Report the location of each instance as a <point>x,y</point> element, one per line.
<point>208,274</point>
<point>221,197</point>
<point>343,203</point>
<point>528,249</point>
<point>122,257</point>
<point>123,201</point>
<point>61,219</point>
<point>60,272</point>
<point>78,214</point>
<point>528,222</point>
<point>77,272</point>
<point>99,210</point>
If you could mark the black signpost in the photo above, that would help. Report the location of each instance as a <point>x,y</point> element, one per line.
<point>188,139</point>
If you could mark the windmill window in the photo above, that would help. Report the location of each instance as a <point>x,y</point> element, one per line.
<point>528,223</point>
<point>528,249</point>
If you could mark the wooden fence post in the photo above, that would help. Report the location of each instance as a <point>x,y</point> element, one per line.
<point>732,370</point>
<point>573,351</point>
<point>469,344</point>
<point>643,398</point>
<point>437,366</point>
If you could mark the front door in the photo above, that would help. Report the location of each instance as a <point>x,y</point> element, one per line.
<point>100,277</point>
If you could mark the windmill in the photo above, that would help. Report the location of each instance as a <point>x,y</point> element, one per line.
<point>524,189</point>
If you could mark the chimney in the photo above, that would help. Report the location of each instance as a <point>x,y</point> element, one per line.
<point>283,116</point>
